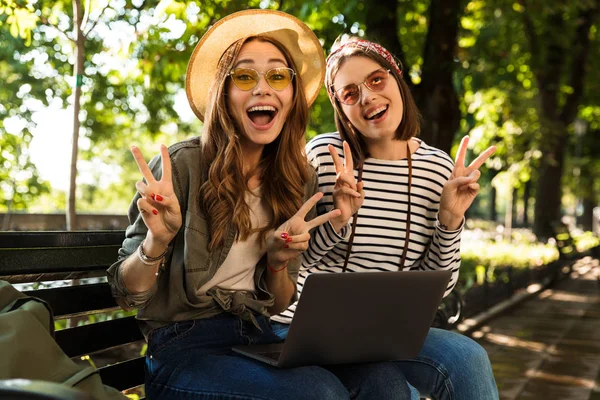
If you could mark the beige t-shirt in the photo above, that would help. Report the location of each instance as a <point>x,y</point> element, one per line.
<point>237,271</point>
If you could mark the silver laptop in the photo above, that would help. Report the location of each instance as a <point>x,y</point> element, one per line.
<point>357,317</point>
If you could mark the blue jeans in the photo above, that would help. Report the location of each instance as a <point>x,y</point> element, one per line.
<point>194,360</point>
<point>450,366</point>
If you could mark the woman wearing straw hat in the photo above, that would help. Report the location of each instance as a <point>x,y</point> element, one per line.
<point>404,202</point>
<point>219,221</point>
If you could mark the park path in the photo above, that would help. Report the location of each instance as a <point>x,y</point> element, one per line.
<point>548,347</point>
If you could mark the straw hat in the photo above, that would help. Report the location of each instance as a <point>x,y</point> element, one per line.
<point>292,33</point>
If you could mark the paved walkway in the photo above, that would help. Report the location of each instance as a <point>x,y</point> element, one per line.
<point>549,346</point>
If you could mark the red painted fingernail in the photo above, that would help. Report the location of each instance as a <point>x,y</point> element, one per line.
<point>284,235</point>
<point>288,239</point>
<point>153,195</point>
<point>159,197</point>
<point>155,212</point>
<point>286,246</point>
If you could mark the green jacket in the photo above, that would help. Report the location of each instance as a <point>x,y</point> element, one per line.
<point>189,263</point>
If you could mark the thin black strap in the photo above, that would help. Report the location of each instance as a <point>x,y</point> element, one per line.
<point>403,259</point>
<point>355,217</point>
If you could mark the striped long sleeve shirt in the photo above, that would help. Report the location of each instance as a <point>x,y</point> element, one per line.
<point>381,225</point>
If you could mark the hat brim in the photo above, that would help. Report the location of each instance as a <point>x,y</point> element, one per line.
<point>293,34</point>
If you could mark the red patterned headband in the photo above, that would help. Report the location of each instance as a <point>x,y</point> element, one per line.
<point>365,45</point>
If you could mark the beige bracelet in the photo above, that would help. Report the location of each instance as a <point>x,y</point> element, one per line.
<point>147,260</point>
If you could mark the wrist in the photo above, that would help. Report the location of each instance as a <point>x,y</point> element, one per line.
<point>338,225</point>
<point>154,247</point>
<point>276,264</point>
<point>449,221</point>
<point>148,260</point>
<point>277,268</point>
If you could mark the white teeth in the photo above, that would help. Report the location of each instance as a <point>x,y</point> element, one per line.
<point>375,112</point>
<point>262,108</point>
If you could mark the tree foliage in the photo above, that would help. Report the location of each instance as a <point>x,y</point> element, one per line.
<point>505,72</point>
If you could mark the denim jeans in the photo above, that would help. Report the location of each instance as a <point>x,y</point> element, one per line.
<point>194,360</point>
<point>450,366</point>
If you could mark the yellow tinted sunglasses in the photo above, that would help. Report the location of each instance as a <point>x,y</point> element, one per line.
<point>247,78</point>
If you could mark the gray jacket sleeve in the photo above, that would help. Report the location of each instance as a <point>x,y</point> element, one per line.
<point>134,235</point>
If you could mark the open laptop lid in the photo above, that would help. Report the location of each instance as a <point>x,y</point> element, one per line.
<point>363,317</point>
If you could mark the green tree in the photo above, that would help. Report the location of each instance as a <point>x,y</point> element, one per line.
<point>471,69</point>
<point>560,40</point>
<point>498,98</point>
<point>20,182</point>
<point>122,93</point>
<point>506,84</point>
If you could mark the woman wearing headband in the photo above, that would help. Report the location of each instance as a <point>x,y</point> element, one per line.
<point>219,222</point>
<point>402,206</point>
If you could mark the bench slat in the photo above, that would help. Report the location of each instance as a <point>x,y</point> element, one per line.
<point>70,300</point>
<point>20,240</point>
<point>87,339</point>
<point>43,260</point>
<point>124,375</point>
<point>54,276</point>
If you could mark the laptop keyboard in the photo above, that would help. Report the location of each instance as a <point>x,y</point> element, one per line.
<point>272,355</point>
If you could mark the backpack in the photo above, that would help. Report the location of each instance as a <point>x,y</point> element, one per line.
<point>29,351</point>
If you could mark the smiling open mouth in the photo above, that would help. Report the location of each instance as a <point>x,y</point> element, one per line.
<point>261,115</point>
<point>377,113</point>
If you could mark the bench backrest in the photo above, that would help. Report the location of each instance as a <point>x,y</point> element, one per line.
<point>27,257</point>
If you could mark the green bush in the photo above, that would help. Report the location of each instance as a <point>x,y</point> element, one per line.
<point>481,259</point>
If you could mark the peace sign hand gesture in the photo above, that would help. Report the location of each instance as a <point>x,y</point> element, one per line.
<point>158,205</point>
<point>291,238</point>
<point>348,196</point>
<point>461,188</point>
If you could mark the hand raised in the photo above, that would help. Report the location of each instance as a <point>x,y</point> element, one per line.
<point>348,195</point>
<point>158,205</point>
<point>461,188</point>
<point>291,238</point>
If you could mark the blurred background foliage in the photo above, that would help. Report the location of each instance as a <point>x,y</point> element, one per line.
<point>517,74</point>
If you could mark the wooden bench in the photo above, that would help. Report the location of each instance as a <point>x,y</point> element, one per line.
<point>34,257</point>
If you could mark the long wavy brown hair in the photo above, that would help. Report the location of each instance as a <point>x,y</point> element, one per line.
<point>283,168</point>
<point>410,124</point>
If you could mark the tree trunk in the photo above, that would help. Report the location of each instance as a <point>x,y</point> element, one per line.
<point>508,216</point>
<point>587,219</point>
<point>588,196</point>
<point>493,212</point>
<point>526,196</point>
<point>78,76</point>
<point>436,95</point>
<point>382,27</point>
<point>7,216</point>
<point>549,190</point>
<point>547,202</point>
<point>514,208</point>
<point>549,57</point>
